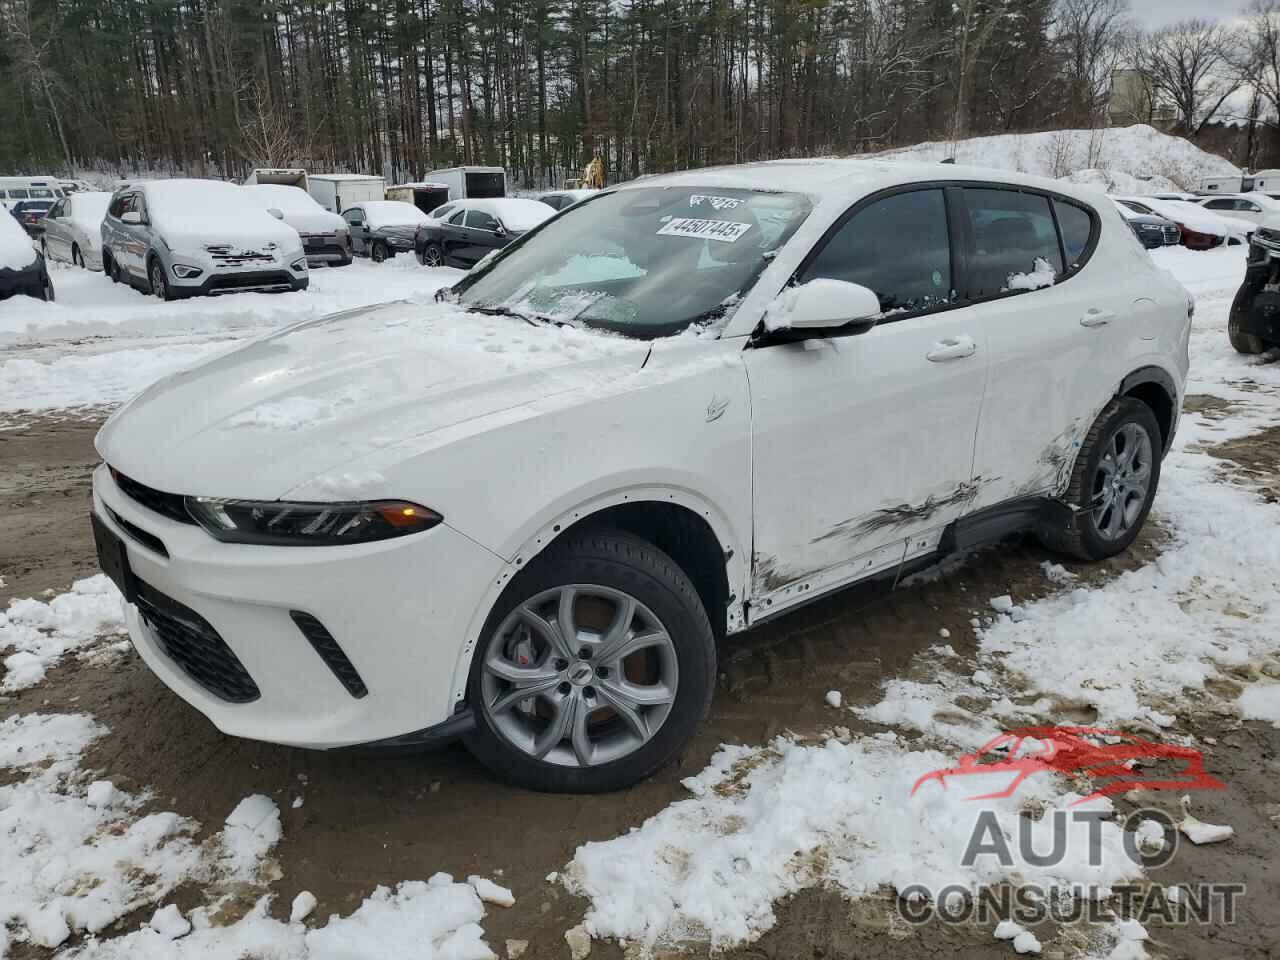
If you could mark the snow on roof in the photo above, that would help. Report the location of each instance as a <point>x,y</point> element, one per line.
<point>514,212</point>
<point>391,213</point>
<point>343,176</point>
<point>421,185</point>
<point>88,208</point>
<point>16,249</point>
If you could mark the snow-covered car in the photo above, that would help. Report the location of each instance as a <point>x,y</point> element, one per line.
<point>475,228</point>
<point>559,199</point>
<point>22,266</point>
<point>181,238</point>
<point>382,228</point>
<point>528,513</point>
<point>1152,231</point>
<point>1201,229</point>
<point>73,229</point>
<point>31,215</point>
<point>325,236</point>
<point>1255,207</point>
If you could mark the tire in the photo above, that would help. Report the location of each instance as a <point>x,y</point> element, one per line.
<point>111,268</point>
<point>47,289</point>
<point>432,255</point>
<point>1102,476</point>
<point>44,248</point>
<point>379,252</point>
<point>157,282</point>
<point>1247,343</point>
<point>622,746</point>
<point>76,259</point>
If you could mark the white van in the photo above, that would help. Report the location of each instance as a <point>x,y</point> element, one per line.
<point>340,191</point>
<point>472,183</point>
<point>1222,185</point>
<point>13,189</point>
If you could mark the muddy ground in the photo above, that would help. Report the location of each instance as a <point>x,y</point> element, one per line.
<point>368,820</point>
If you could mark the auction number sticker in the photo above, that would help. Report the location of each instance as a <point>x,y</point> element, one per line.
<point>726,231</point>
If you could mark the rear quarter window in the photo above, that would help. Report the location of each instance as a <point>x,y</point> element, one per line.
<point>1076,225</point>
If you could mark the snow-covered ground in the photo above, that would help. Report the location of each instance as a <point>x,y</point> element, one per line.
<point>832,809</point>
<point>100,343</point>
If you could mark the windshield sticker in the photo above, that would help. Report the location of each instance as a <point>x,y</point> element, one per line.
<point>726,231</point>
<point>716,203</point>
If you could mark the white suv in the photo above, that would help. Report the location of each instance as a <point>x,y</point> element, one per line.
<point>529,513</point>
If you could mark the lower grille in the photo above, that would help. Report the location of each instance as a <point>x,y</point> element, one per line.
<point>192,643</point>
<point>148,540</point>
<point>239,281</point>
<point>329,651</point>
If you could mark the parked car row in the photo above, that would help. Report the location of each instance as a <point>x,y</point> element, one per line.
<point>1198,229</point>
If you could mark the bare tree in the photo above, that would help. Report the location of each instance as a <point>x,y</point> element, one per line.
<point>32,56</point>
<point>1260,53</point>
<point>1090,38</point>
<point>1194,65</point>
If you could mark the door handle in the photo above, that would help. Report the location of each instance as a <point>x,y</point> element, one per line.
<point>952,348</point>
<point>1097,318</point>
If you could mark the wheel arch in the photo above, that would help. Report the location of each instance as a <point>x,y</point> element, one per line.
<point>679,522</point>
<point>1157,388</point>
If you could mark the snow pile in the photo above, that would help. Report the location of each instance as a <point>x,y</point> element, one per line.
<point>251,830</point>
<point>41,633</point>
<point>437,919</point>
<point>1138,151</point>
<point>1042,276</point>
<point>769,822</point>
<point>1117,181</point>
<point>71,864</point>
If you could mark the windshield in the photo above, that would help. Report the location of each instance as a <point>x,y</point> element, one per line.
<point>644,262</point>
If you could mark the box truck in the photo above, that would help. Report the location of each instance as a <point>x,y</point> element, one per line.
<point>425,196</point>
<point>474,183</point>
<point>292,177</point>
<point>339,191</point>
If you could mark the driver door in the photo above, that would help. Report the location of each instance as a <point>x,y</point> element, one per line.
<point>358,231</point>
<point>483,233</point>
<point>864,445</point>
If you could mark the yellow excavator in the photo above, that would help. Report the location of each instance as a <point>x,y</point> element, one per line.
<point>592,177</point>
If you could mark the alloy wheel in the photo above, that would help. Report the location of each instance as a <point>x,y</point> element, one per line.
<point>579,675</point>
<point>432,256</point>
<point>1122,482</point>
<point>158,286</point>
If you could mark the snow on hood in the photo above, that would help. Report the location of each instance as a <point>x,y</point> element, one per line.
<point>16,249</point>
<point>517,214</point>
<point>392,213</point>
<point>323,394</point>
<point>300,209</point>
<point>1196,218</point>
<point>197,212</point>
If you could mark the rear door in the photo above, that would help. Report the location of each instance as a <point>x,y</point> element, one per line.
<point>864,444</point>
<point>57,226</point>
<point>1060,329</point>
<point>453,238</point>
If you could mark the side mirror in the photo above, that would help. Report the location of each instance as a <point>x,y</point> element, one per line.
<point>275,212</point>
<point>499,231</point>
<point>132,217</point>
<point>824,304</point>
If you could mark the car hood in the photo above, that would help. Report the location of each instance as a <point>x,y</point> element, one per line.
<point>283,410</point>
<point>238,236</point>
<point>315,221</point>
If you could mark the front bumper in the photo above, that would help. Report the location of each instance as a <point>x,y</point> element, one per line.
<point>29,281</point>
<point>239,281</point>
<point>399,610</point>
<point>325,249</point>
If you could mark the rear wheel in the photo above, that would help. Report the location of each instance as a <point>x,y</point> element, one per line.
<point>1113,484</point>
<point>596,665</point>
<point>379,252</point>
<point>432,255</point>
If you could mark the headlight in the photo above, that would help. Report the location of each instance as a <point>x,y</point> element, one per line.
<point>184,272</point>
<point>1153,227</point>
<point>300,265</point>
<point>309,524</point>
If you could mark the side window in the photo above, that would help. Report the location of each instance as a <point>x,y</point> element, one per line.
<point>59,209</point>
<point>898,247</point>
<point>1249,206</point>
<point>19,194</point>
<point>1220,205</point>
<point>1077,230</point>
<point>456,219</point>
<point>481,220</point>
<point>117,206</point>
<point>354,216</point>
<point>139,206</point>
<point>1014,236</point>
<point>441,212</point>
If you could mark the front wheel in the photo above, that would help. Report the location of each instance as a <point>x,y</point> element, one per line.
<point>1242,342</point>
<point>159,283</point>
<point>1113,484</point>
<point>76,259</point>
<point>379,252</point>
<point>596,665</point>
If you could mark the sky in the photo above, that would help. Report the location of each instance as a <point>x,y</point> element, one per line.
<point>1161,13</point>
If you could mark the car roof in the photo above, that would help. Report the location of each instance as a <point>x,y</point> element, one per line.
<point>846,178</point>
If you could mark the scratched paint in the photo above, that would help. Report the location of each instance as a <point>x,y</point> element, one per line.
<point>903,514</point>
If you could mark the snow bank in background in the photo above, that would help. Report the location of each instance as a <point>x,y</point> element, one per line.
<point>435,920</point>
<point>767,823</point>
<point>1117,181</point>
<point>42,632</point>
<point>1140,151</point>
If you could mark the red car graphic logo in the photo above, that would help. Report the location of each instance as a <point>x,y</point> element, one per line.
<point>1099,755</point>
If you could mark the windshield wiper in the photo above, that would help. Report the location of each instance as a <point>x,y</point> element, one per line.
<point>500,311</point>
